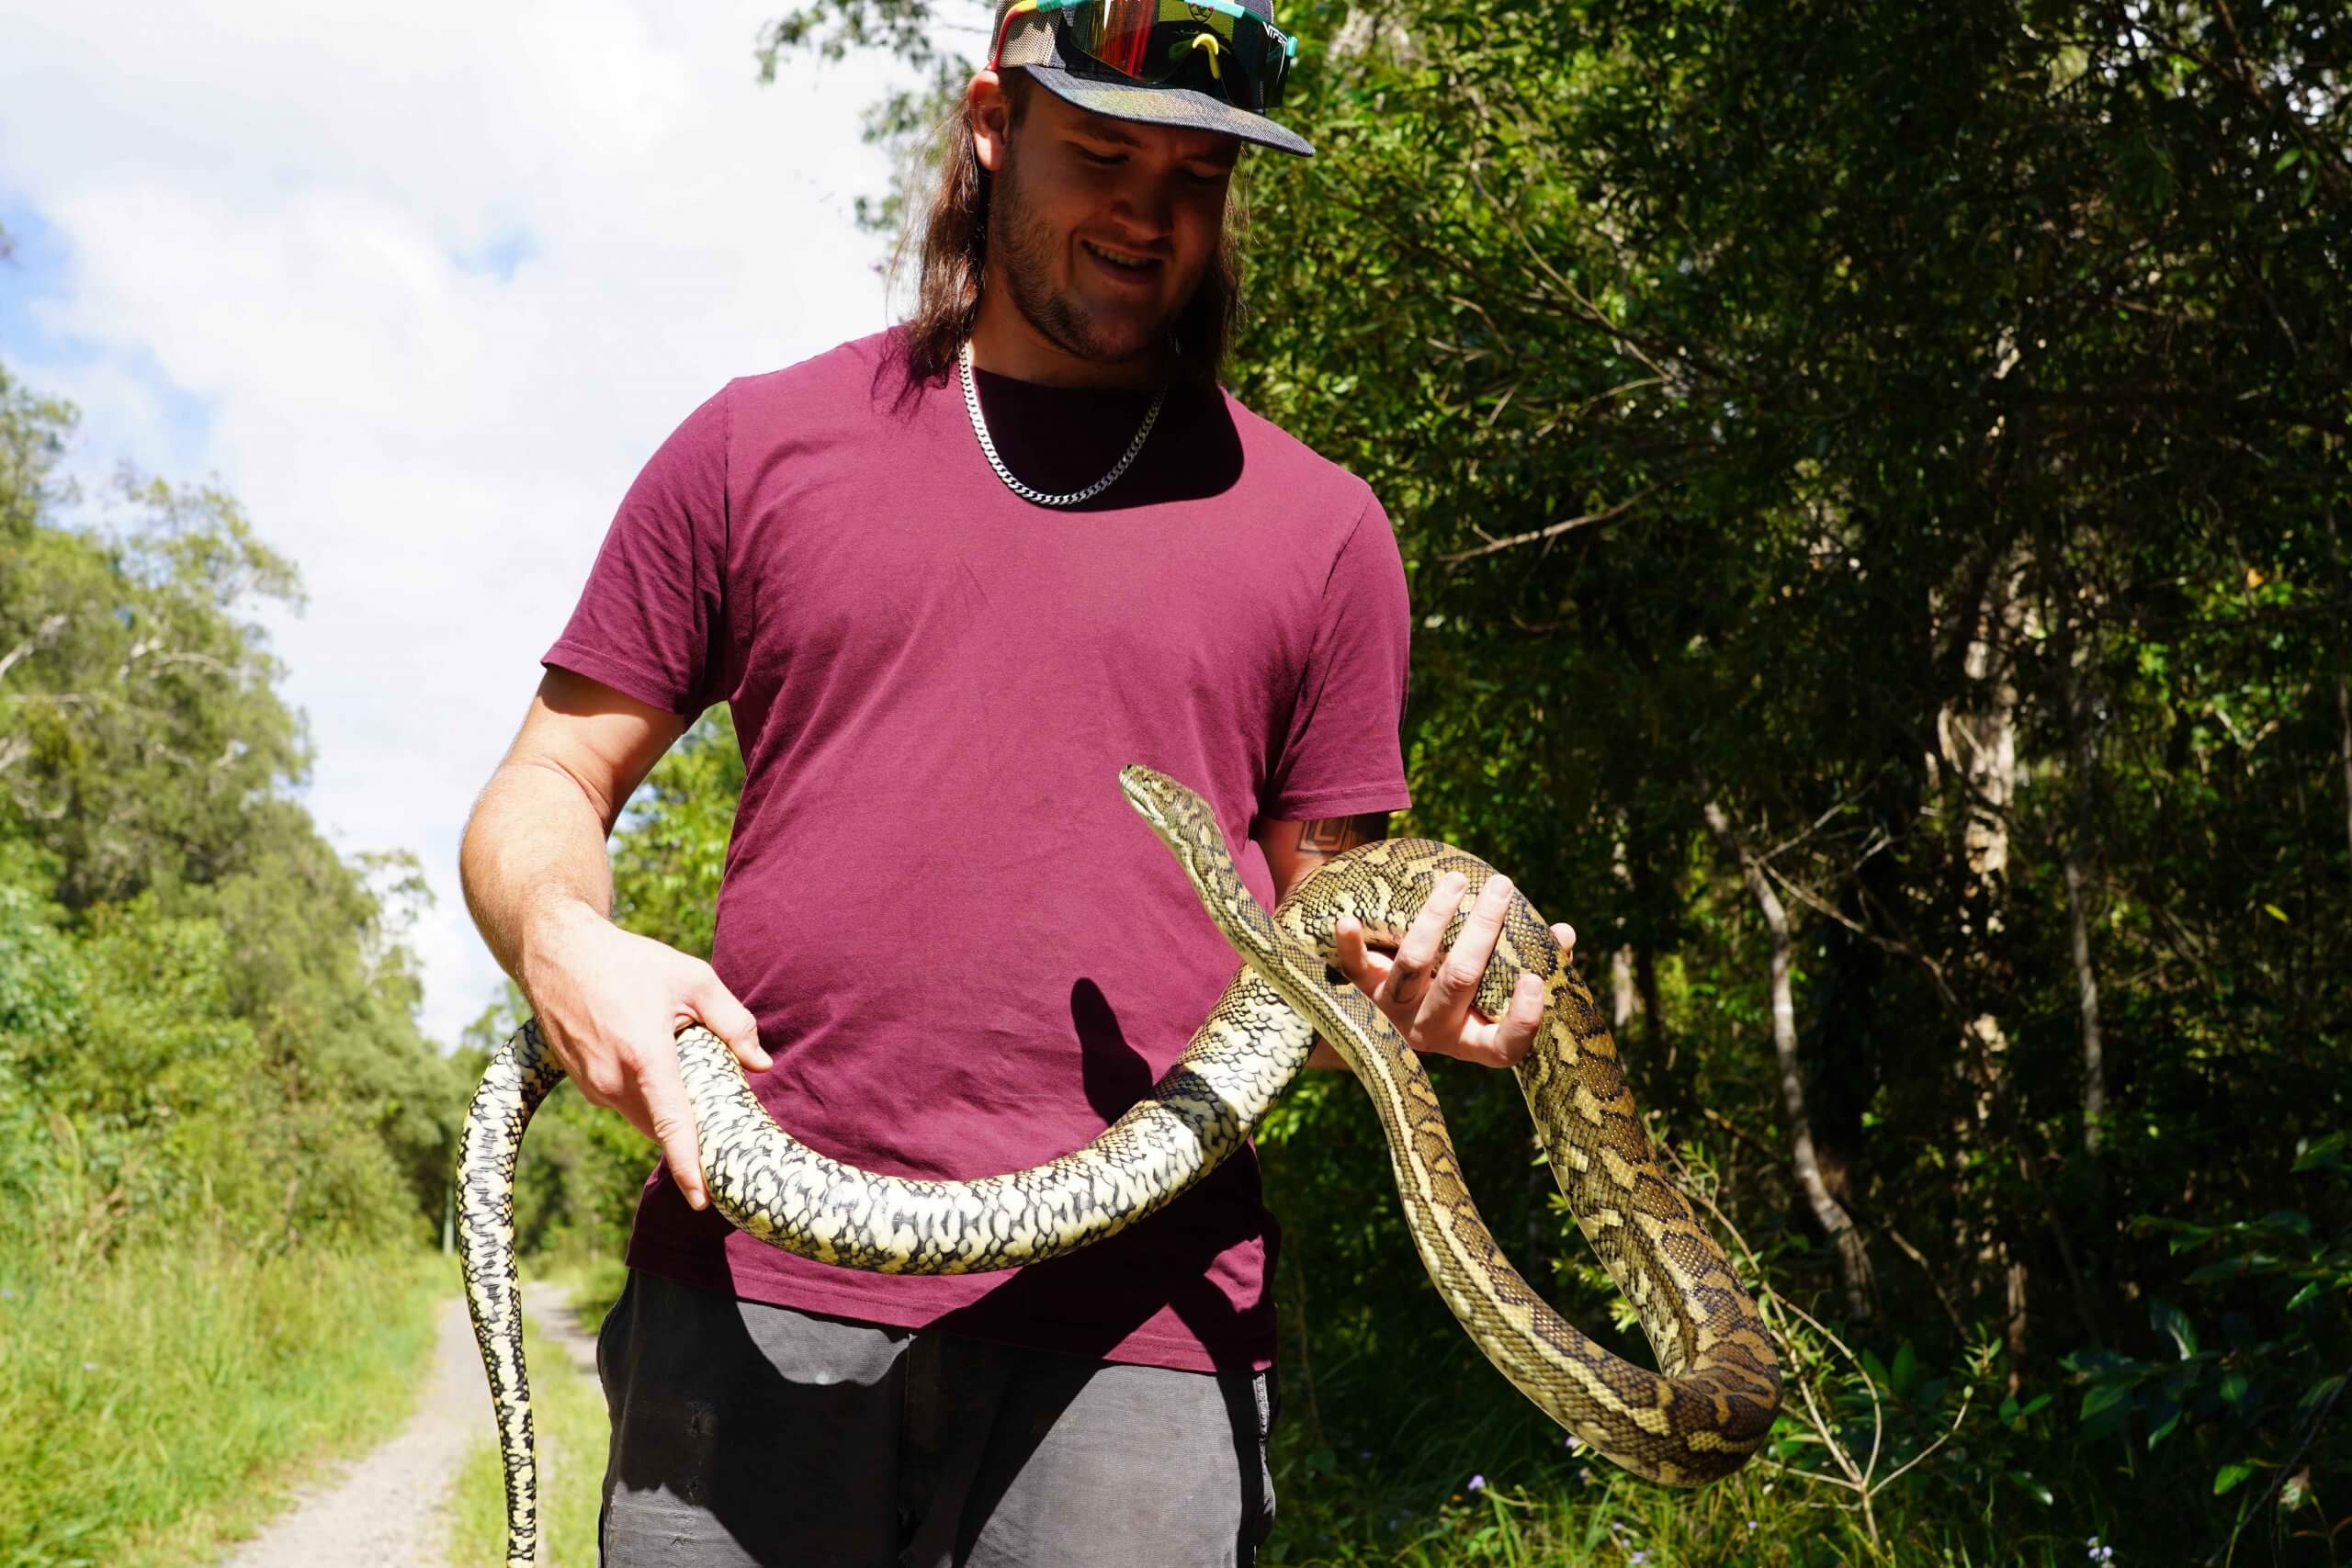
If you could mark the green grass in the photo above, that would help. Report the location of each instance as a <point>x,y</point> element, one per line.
<point>1608,1521</point>
<point>1551,1508</point>
<point>573,1429</point>
<point>157,1404</point>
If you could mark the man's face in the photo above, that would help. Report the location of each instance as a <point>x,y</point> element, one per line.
<point>1104,227</point>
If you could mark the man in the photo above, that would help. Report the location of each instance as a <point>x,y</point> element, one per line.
<point>950,579</point>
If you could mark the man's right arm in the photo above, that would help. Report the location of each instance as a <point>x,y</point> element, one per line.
<point>540,886</point>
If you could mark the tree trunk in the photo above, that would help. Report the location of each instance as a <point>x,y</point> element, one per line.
<point>1976,738</point>
<point>2074,863</point>
<point>1623,1001</point>
<point>2343,700</point>
<point>1854,1258</point>
<point>2079,938</point>
<point>2343,737</point>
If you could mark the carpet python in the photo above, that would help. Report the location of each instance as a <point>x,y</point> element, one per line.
<point>1697,1418</point>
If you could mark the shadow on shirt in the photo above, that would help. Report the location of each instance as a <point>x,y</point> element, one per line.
<point>1062,439</point>
<point>1093,1299</point>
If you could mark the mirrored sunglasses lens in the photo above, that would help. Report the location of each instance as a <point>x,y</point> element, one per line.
<point>1157,40</point>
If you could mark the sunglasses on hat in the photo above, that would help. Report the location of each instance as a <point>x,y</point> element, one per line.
<point>1215,45</point>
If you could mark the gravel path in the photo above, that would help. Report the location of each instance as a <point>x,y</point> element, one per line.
<point>384,1510</point>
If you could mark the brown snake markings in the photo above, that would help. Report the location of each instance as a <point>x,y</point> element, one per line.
<point>1698,1418</point>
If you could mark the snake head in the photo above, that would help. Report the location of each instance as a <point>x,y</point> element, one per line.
<point>1182,819</point>
<point>1150,792</point>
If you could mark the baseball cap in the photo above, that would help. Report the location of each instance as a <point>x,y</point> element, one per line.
<point>1033,41</point>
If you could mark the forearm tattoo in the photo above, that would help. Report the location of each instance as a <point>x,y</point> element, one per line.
<point>1328,836</point>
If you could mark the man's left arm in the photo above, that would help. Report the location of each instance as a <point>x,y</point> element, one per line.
<point>1426,993</point>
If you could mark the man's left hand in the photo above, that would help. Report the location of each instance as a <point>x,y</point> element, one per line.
<point>1427,995</point>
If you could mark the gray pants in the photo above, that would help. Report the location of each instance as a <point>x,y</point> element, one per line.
<point>750,1434</point>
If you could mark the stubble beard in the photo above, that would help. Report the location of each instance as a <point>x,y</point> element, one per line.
<point>1024,247</point>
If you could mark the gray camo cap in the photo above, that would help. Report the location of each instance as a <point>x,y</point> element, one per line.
<point>1034,45</point>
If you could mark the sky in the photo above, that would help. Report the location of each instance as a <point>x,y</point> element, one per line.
<point>423,287</point>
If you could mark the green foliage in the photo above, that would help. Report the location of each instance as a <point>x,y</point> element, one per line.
<point>143,727</point>
<point>2249,1395</point>
<point>220,1133</point>
<point>673,843</point>
<point>204,1011</point>
<point>1921,434</point>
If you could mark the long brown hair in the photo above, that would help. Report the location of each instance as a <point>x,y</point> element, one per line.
<point>949,240</point>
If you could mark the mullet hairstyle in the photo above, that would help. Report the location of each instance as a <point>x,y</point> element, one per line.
<point>949,240</point>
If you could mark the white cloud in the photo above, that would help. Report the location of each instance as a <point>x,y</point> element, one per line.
<point>423,287</point>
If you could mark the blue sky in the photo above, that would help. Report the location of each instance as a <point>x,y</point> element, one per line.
<point>34,288</point>
<point>424,297</point>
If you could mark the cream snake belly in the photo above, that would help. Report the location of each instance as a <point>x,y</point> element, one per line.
<point>1708,1406</point>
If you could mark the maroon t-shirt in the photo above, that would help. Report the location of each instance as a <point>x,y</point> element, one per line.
<point>965,952</point>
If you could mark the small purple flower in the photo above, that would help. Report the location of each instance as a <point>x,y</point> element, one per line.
<point>1477,1483</point>
<point>1639,1558</point>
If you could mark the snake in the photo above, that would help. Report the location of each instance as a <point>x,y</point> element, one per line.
<point>1710,1404</point>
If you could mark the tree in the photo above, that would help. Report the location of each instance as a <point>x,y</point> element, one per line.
<point>205,1012</point>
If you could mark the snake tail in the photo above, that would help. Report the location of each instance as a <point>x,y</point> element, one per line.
<point>520,1075</point>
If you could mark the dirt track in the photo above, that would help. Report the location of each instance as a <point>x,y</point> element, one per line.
<point>384,1509</point>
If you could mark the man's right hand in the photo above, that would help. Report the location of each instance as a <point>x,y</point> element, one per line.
<point>610,1004</point>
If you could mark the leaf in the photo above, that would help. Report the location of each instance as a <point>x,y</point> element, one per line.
<point>2024,1482</point>
<point>1905,1369</point>
<point>2329,1154</point>
<point>2101,1397</point>
<point>2166,1318</point>
<point>2228,1477</point>
<point>2233,1387</point>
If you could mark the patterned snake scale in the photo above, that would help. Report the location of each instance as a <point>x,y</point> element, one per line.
<point>1697,1419</point>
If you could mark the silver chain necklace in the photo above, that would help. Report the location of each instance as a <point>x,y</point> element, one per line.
<point>981,429</point>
